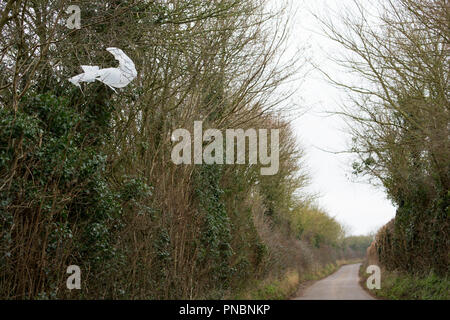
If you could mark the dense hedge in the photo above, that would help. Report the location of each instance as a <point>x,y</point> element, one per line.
<point>417,240</point>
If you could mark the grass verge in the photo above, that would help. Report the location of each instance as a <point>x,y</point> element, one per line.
<point>403,286</point>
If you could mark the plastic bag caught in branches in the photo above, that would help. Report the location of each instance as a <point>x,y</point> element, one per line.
<point>113,77</point>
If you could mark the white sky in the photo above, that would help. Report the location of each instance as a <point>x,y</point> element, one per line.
<point>360,207</point>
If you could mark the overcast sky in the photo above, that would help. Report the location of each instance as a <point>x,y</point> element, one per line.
<point>359,206</point>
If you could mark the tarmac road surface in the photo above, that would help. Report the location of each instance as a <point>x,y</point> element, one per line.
<point>342,285</point>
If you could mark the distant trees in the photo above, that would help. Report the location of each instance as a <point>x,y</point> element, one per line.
<point>400,120</point>
<point>316,226</point>
<point>358,244</point>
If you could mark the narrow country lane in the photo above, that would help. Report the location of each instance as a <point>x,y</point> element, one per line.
<point>342,285</point>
